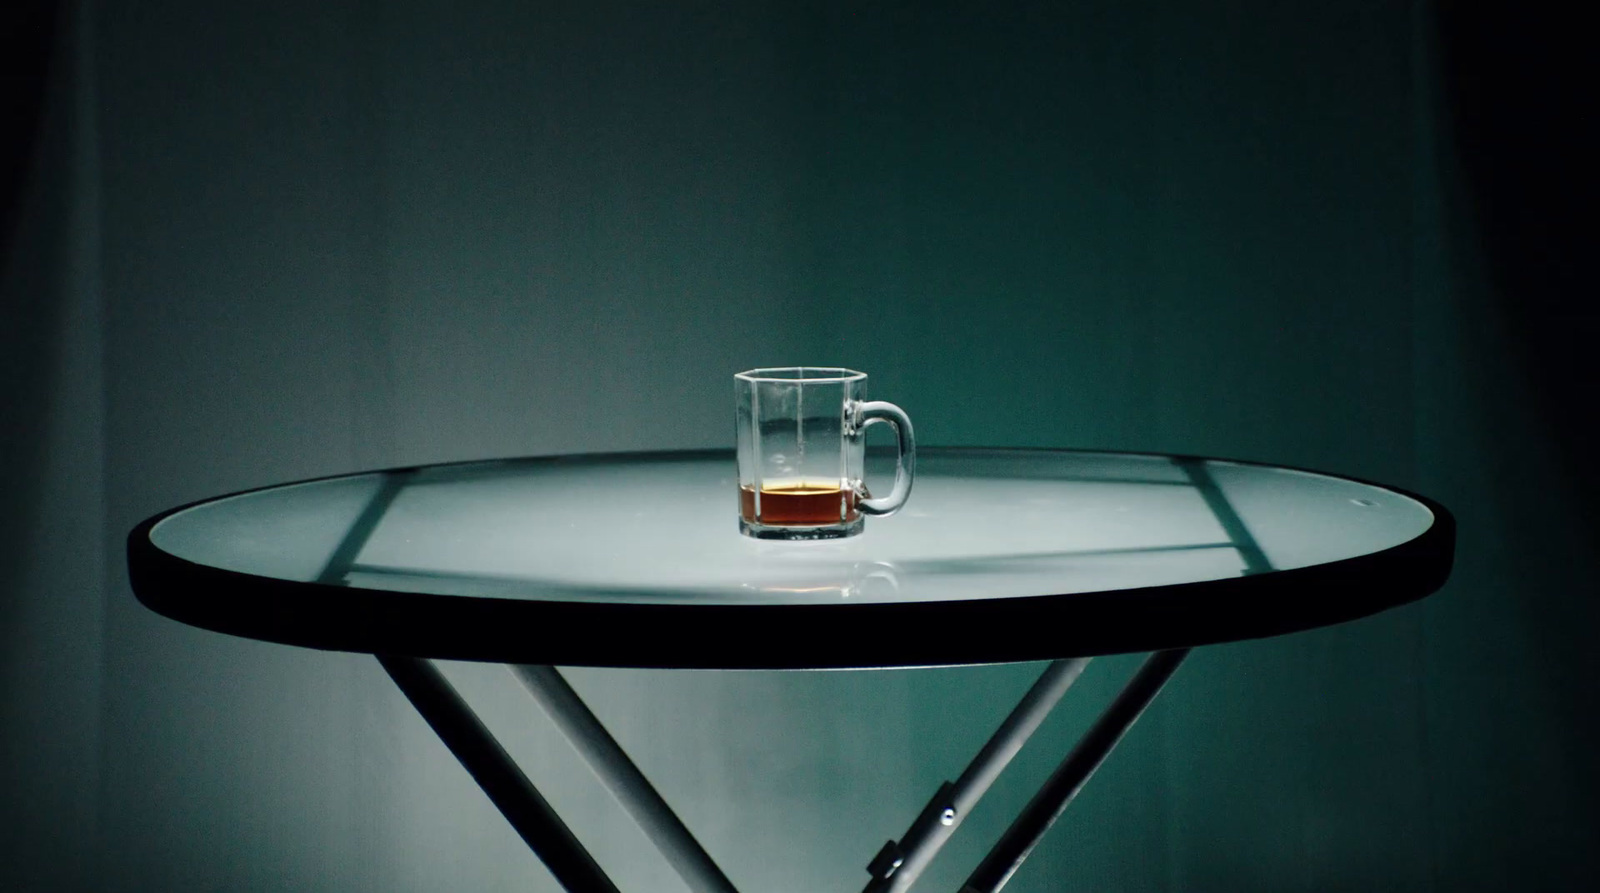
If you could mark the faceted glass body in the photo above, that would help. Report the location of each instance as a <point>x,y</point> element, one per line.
<point>801,452</point>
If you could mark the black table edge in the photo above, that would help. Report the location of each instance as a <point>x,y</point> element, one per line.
<point>786,636</point>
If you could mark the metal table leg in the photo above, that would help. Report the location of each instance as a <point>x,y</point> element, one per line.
<point>613,767</point>
<point>898,864</point>
<point>895,868</point>
<point>1064,784</point>
<point>494,770</point>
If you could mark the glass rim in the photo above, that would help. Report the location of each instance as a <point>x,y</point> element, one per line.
<point>829,374</point>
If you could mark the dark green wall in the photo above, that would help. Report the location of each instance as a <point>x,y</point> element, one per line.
<point>328,236</point>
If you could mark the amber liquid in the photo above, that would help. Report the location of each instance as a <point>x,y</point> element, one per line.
<point>799,504</point>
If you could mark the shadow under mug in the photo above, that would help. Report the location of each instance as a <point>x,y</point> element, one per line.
<point>802,452</point>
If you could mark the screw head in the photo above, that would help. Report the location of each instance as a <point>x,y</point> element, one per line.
<point>948,817</point>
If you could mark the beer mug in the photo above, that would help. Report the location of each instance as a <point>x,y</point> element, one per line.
<point>802,450</point>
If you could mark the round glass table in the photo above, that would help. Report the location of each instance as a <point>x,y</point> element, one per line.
<point>635,560</point>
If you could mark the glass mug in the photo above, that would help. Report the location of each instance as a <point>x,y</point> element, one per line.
<point>802,451</point>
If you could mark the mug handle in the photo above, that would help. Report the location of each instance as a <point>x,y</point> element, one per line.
<point>905,464</point>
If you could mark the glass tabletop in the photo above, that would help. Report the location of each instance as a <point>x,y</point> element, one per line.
<point>981,524</point>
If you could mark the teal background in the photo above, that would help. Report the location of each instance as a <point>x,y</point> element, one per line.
<point>265,242</point>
